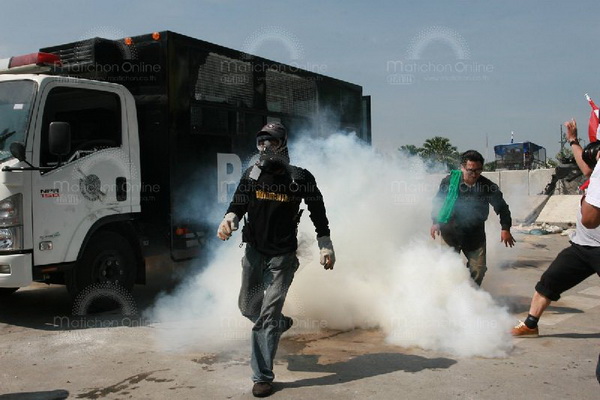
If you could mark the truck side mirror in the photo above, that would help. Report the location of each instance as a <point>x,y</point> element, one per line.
<point>17,149</point>
<point>59,138</point>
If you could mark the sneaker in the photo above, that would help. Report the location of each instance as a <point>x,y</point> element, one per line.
<point>262,389</point>
<point>287,324</point>
<point>522,330</point>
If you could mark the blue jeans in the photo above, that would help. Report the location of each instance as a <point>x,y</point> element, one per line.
<point>265,283</point>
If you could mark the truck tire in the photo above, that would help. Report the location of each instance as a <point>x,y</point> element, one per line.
<point>108,257</point>
<point>105,296</point>
<point>7,291</point>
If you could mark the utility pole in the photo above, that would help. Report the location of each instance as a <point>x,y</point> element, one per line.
<point>562,140</point>
<point>487,147</point>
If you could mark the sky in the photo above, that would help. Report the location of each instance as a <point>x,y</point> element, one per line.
<point>471,71</point>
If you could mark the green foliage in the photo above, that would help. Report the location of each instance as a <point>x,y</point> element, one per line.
<point>491,166</point>
<point>435,151</point>
<point>410,150</point>
<point>565,156</point>
<point>439,149</point>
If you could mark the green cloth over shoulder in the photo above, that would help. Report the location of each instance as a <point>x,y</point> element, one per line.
<point>451,196</point>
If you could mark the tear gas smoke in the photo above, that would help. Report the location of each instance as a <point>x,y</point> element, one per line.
<point>388,274</point>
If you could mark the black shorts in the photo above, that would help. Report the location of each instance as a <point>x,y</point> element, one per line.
<point>570,267</point>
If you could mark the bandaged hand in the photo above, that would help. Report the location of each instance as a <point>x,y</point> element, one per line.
<point>326,250</point>
<point>227,226</point>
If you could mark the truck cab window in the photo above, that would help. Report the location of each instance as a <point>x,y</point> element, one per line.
<point>15,111</point>
<point>94,116</point>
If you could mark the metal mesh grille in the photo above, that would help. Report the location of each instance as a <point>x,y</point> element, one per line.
<point>290,94</point>
<point>78,55</point>
<point>225,80</point>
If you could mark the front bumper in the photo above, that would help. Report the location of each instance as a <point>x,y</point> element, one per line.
<point>15,270</point>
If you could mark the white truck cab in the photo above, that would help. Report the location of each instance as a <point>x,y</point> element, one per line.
<point>51,199</point>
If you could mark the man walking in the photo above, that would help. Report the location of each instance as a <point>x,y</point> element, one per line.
<point>270,193</point>
<point>460,209</point>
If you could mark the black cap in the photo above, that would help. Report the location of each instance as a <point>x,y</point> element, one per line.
<point>274,129</point>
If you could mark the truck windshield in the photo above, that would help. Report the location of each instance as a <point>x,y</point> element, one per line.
<point>16,98</point>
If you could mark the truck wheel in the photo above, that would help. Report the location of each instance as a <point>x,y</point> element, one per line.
<point>107,258</point>
<point>7,291</point>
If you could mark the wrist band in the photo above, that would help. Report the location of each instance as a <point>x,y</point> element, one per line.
<point>572,142</point>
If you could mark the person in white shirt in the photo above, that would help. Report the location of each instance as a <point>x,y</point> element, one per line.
<point>590,206</point>
<point>580,260</point>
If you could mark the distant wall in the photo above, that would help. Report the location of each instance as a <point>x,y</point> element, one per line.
<point>521,189</point>
<point>526,182</point>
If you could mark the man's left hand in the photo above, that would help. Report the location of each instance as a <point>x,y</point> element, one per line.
<point>326,250</point>
<point>507,238</point>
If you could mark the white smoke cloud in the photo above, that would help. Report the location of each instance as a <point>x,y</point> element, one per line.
<point>389,273</point>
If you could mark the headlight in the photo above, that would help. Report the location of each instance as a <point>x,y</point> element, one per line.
<point>11,238</point>
<point>10,210</point>
<point>11,223</point>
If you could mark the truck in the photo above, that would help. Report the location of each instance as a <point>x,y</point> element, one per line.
<point>114,151</point>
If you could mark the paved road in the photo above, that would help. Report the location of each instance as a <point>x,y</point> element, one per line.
<point>41,353</point>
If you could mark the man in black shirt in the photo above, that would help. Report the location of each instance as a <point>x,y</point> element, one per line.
<point>270,193</point>
<point>461,208</point>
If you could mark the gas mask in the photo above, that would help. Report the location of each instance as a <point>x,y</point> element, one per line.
<point>271,142</point>
<point>267,143</point>
<point>272,161</point>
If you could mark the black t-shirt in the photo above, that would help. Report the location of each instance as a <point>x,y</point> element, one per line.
<point>466,227</point>
<point>272,203</point>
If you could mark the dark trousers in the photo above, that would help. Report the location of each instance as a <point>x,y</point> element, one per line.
<point>570,267</point>
<point>265,283</point>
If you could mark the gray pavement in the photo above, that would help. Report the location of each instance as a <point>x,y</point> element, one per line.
<point>40,354</point>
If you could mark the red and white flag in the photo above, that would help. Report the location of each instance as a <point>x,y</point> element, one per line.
<point>594,120</point>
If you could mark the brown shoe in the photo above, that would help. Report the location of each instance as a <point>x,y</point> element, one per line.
<point>522,330</point>
<point>262,389</point>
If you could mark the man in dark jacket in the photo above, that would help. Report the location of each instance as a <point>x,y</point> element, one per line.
<point>270,193</point>
<point>461,208</point>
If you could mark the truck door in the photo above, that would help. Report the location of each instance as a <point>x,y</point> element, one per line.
<point>91,181</point>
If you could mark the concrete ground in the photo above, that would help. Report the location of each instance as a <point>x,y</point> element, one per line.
<point>42,357</point>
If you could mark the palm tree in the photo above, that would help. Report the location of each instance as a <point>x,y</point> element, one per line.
<point>439,149</point>
<point>410,150</point>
